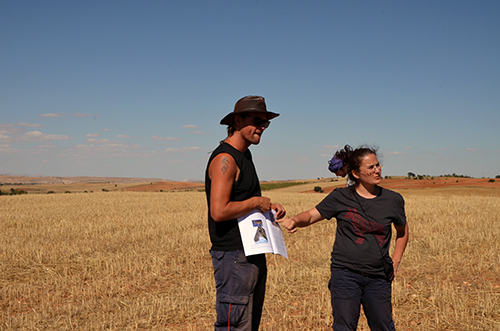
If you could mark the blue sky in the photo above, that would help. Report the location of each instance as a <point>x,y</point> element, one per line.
<point>137,88</point>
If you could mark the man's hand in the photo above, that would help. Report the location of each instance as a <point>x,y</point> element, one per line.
<point>261,203</point>
<point>280,210</point>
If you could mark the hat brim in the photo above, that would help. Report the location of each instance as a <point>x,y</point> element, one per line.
<point>228,119</point>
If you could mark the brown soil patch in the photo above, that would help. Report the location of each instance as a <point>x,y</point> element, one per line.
<point>437,182</point>
<point>29,180</point>
<point>92,184</point>
<point>88,184</point>
<point>166,186</point>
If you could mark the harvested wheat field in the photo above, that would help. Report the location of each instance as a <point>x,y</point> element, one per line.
<point>139,261</point>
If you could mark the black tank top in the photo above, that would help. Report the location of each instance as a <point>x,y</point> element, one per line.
<point>225,236</point>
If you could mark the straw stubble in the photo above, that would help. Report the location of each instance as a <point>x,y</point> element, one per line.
<point>139,261</point>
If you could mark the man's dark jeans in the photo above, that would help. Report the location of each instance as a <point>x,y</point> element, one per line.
<point>241,284</point>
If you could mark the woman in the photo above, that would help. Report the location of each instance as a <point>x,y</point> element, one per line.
<point>364,213</point>
<point>338,163</point>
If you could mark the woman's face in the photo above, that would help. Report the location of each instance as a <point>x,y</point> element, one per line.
<point>370,171</point>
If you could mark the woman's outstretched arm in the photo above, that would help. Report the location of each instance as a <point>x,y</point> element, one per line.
<point>302,220</point>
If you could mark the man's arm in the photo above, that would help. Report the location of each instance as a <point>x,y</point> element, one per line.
<point>223,172</point>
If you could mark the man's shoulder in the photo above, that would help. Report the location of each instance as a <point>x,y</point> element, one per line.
<point>221,156</point>
<point>223,149</point>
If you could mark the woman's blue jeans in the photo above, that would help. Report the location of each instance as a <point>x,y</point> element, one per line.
<point>350,290</point>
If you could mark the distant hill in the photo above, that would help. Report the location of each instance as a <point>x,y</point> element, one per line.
<point>26,180</point>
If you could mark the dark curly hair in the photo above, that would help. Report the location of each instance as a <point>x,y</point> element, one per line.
<point>343,154</point>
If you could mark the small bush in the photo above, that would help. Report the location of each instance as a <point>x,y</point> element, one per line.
<point>13,191</point>
<point>491,180</point>
<point>318,189</point>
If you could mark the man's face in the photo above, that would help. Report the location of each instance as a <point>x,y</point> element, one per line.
<point>250,131</point>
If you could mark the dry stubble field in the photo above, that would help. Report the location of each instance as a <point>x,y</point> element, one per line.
<point>139,261</point>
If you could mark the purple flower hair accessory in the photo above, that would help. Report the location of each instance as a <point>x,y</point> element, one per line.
<point>335,164</point>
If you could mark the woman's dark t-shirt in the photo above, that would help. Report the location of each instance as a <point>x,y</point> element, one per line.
<point>358,235</point>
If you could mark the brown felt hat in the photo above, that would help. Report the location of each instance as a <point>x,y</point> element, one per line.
<point>249,104</point>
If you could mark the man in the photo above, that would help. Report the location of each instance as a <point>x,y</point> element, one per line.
<point>233,190</point>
